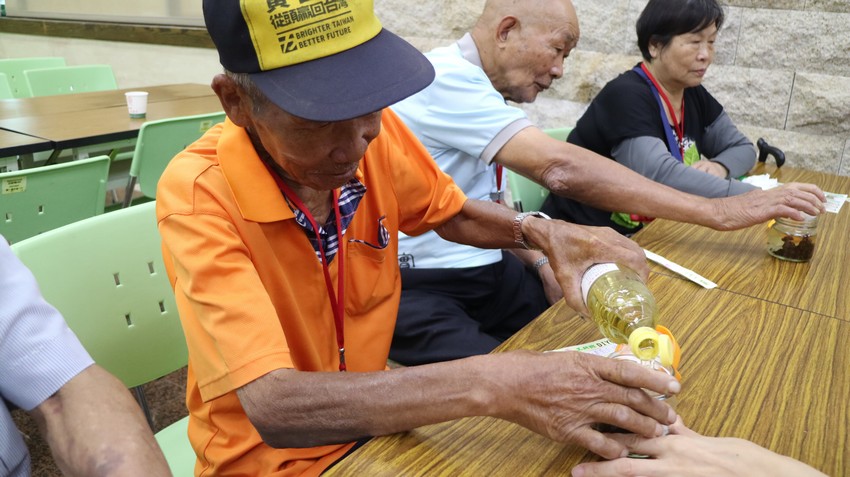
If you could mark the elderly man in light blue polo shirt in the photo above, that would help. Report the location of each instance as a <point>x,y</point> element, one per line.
<point>459,301</point>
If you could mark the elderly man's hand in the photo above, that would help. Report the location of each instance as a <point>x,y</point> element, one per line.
<point>572,249</point>
<point>755,207</point>
<point>562,395</point>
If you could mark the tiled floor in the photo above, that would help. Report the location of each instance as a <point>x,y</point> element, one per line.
<point>166,398</point>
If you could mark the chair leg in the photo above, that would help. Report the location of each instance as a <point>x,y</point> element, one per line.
<point>143,403</point>
<point>128,192</point>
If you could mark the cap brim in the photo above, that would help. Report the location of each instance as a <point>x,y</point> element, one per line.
<point>349,84</point>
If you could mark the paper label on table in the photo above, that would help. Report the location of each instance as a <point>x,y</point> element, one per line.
<point>13,185</point>
<point>675,267</point>
<point>762,181</point>
<point>603,347</point>
<point>834,201</point>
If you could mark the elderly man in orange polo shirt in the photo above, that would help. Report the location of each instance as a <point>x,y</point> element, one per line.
<point>280,233</point>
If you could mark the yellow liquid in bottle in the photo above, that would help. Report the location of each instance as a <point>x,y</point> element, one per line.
<point>619,303</point>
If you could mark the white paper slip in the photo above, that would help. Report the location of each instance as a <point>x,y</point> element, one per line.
<point>763,181</point>
<point>835,201</point>
<point>687,273</point>
<point>603,347</point>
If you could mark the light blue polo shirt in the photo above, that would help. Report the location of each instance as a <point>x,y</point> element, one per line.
<point>38,355</point>
<point>463,122</point>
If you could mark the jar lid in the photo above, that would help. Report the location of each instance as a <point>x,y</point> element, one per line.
<point>808,220</point>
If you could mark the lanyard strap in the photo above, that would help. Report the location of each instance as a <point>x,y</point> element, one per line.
<point>679,126</point>
<point>337,301</point>
<point>498,196</point>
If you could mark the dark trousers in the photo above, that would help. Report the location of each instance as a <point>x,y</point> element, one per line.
<point>452,313</point>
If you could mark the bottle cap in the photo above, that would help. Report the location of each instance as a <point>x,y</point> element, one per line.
<point>644,343</point>
<point>665,350</point>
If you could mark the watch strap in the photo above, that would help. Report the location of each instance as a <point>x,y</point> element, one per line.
<point>519,237</point>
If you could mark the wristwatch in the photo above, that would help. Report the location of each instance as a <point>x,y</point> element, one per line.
<point>519,238</point>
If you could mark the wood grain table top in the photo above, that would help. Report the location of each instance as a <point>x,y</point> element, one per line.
<point>13,143</point>
<point>49,105</point>
<point>770,373</point>
<point>92,126</point>
<point>738,261</point>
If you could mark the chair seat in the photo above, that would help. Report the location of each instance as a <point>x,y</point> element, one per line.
<point>174,442</point>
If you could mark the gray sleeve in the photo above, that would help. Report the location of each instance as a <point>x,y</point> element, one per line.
<point>502,138</point>
<point>649,157</point>
<point>725,144</point>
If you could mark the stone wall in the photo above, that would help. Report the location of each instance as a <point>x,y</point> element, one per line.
<point>782,68</point>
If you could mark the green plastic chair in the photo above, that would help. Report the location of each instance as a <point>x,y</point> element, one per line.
<point>5,87</point>
<point>70,79</point>
<point>14,69</point>
<point>33,201</point>
<point>158,142</point>
<point>174,442</point>
<point>107,278</point>
<point>526,194</point>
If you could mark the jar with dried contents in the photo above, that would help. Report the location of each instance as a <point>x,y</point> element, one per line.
<point>793,240</point>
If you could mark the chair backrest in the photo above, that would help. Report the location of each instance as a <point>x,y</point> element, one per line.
<point>107,278</point>
<point>14,69</point>
<point>526,194</point>
<point>39,199</point>
<point>558,133</point>
<point>70,79</point>
<point>5,87</point>
<point>159,141</point>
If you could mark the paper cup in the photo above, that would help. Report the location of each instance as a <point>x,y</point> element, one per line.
<point>137,103</point>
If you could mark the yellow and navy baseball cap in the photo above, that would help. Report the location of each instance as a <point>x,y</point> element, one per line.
<point>322,60</point>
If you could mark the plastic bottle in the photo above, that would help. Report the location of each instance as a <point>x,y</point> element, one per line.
<point>623,308</point>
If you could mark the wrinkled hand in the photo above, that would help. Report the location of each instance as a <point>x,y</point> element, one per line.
<point>561,395</point>
<point>572,249</point>
<point>684,452</point>
<point>551,287</point>
<point>711,167</point>
<point>758,206</point>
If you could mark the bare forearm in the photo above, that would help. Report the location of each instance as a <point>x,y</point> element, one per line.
<point>288,411</point>
<point>481,224</point>
<point>578,173</point>
<point>94,427</point>
<point>553,394</point>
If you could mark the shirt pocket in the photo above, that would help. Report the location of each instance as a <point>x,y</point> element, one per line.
<point>371,277</point>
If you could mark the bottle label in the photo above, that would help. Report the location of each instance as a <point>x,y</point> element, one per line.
<point>592,274</point>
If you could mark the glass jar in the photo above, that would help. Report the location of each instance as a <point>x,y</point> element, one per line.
<point>625,353</point>
<point>793,240</point>
<point>665,362</point>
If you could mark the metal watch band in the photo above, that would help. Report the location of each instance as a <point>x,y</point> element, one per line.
<point>540,262</point>
<point>519,238</point>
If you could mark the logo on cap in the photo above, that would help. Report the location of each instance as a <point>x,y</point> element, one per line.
<point>289,32</point>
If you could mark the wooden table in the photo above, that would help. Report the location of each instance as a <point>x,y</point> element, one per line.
<point>15,144</point>
<point>82,119</point>
<point>763,371</point>
<point>49,105</point>
<point>92,126</point>
<point>738,261</point>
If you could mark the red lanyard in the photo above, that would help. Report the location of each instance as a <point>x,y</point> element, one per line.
<point>498,196</point>
<point>337,302</point>
<point>679,127</point>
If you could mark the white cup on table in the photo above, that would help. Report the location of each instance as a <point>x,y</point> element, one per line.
<point>137,103</point>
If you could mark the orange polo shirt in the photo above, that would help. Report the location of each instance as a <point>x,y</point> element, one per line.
<point>251,292</point>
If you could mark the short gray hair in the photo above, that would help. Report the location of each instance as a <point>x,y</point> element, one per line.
<point>244,81</point>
